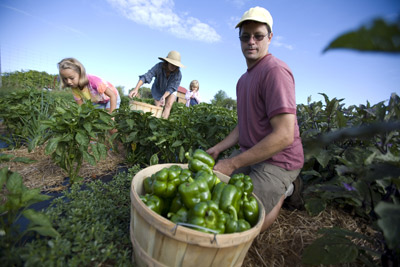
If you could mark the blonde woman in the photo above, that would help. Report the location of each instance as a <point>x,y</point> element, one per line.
<point>87,87</point>
<point>192,96</point>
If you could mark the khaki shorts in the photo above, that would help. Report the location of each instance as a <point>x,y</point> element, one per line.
<point>270,182</point>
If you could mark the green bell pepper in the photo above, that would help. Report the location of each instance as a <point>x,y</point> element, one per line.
<point>208,215</point>
<point>230,196</point>
<point>200,160</point>
<point>204,157</point>
<point>194,191</point>
<point>166,181</point>
<point>250,209</point>
<point>189,192</point>
<point>210,177</point>
<point>179,216</point>
<point>184,176</point>
<point>154,203</point>
<point>243,182</point>
<point>217,192</point>
<point>176,204</point>
<point>204,191</point>
<point>233,224</point>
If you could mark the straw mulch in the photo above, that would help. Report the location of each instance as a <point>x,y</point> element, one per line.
<point>281,245</point>
<point>47,176</point>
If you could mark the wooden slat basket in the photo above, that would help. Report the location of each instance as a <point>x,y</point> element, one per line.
<point>157,241</point>
<point>136,105</point>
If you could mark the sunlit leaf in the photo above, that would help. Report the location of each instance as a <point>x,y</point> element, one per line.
<point>14,183</point>
<point>379,36</point>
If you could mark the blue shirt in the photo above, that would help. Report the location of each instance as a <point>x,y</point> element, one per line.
<point>161,83</point>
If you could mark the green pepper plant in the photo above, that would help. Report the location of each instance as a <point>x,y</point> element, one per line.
<point>22,112</point>
<point>18,199</point>
<point>78,133</point>
<point>146,137</point>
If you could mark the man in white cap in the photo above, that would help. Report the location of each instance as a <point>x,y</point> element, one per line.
<point>167,80</point>
<point>271,152</point>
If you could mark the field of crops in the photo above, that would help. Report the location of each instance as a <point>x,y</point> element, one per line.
<point>351,177</point>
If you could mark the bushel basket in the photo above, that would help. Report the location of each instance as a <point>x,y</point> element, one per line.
<point>157,241</point>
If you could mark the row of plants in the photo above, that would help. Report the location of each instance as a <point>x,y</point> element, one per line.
<point>353,163</point>
<point>30,79</point>
<point>22,112</point>
<point>151,140</point>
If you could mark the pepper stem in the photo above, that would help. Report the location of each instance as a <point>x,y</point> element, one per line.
<point>187,155</point>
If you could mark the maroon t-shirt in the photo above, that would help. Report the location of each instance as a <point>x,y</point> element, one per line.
<point>264,91</point>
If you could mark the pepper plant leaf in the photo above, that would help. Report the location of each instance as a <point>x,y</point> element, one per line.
<point>14,183</point>
<point>40,223</point>
<point>82,139</point>
<point>389,222</point>
<point>52,145</point>
<point>378,36</point>
<point>330,249</point>
<point>314,206</point>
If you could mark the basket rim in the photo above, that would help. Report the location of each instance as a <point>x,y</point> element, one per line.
<point>143,104</point>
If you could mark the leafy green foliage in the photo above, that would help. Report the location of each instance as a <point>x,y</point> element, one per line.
<point>344,164</point>
<point>144,136</point>
<point>380,36</point>
<point>31,79</point>
<point>338,246</point>
<point>93,226</point>
<point>18,198</point>
<point>22,112</point>
<point>78,133</point>
<point>352,160</point>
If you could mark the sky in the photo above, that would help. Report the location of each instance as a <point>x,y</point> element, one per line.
<point>118,40</point>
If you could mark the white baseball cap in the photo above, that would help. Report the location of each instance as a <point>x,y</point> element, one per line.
<point>258,14</point>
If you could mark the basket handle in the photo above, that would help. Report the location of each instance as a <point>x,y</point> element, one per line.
<point>173,230</point>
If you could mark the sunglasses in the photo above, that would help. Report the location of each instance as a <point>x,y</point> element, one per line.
<point>258,37</point>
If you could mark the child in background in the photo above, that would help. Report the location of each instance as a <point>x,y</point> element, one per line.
<point>87,87</point>
<point>192,97</point>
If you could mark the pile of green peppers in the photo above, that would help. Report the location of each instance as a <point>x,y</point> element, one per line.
<point>196,196</point>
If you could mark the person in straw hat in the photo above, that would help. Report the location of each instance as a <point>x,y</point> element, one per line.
<point>167,80</point>
<point>271,152</point>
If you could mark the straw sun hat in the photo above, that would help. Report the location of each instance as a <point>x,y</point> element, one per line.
<point>174,58</point>
<point>258,14</point>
